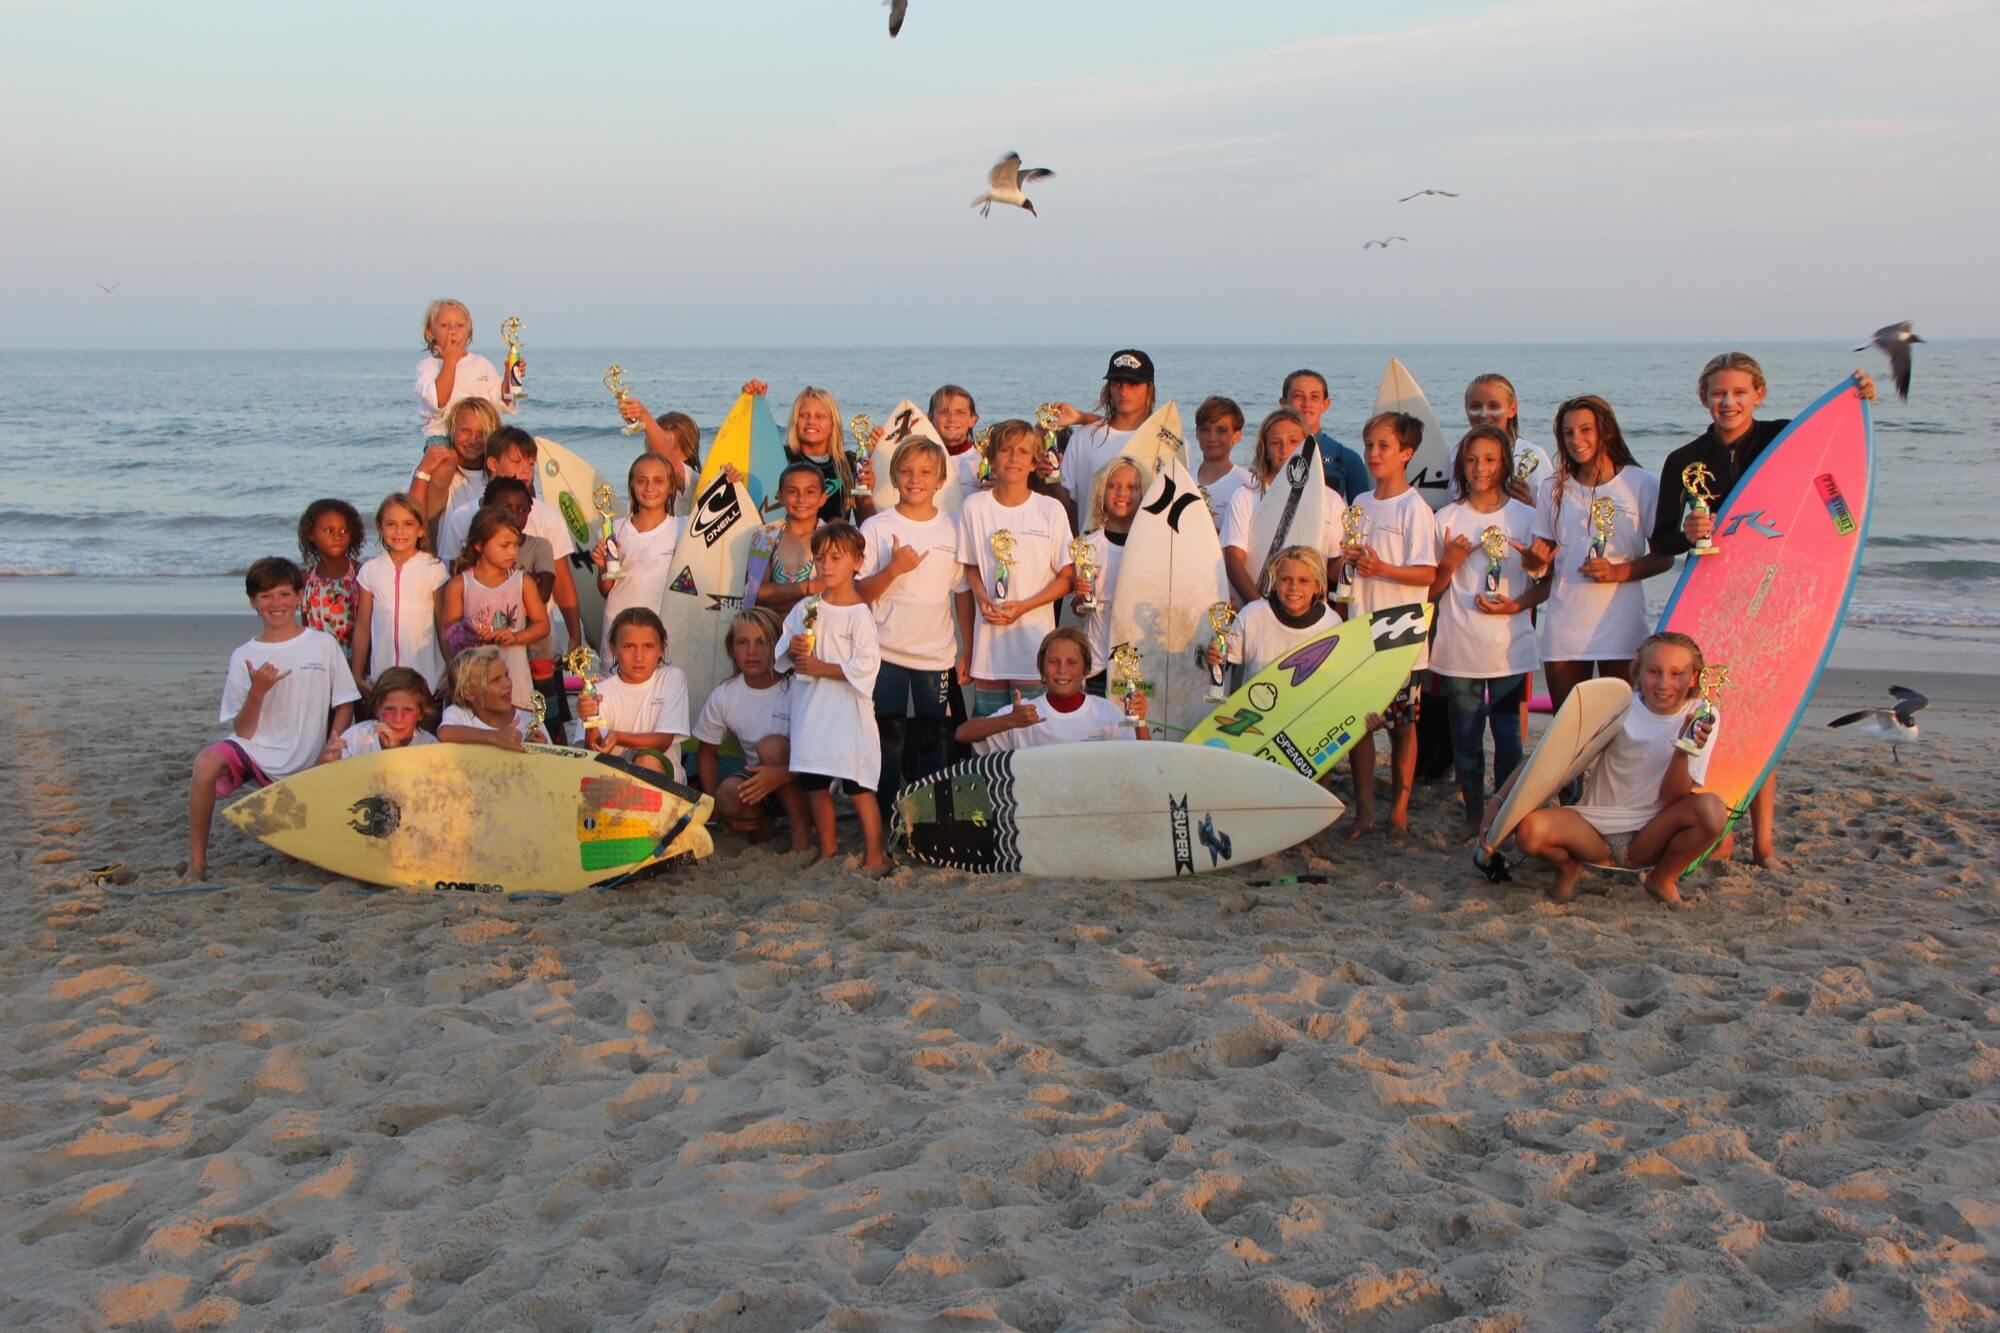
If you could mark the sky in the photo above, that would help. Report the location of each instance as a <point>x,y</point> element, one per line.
<point>781,173</point>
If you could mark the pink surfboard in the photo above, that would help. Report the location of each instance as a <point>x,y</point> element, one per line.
<point>1770,601</point>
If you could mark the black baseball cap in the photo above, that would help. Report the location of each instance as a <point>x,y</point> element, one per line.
<point>1131,366</point>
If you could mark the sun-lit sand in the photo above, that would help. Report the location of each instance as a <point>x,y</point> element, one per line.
<point>751,1098</point>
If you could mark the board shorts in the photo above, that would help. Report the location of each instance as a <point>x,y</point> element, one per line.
<point>238,768</point>
<point>821,782</point>
<point>1404,709</point>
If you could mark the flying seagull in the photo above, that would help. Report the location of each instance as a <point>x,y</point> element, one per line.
<point>1370,245</point>
<point>897,9</point>
<point>1004,182</point>
<point>1895,724</point>
<point>1448,194</point>
<point>1895,340</point>
<point>108,290</point>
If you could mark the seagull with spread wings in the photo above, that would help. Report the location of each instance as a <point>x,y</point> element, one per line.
<point>1004,182</point>
<point>1895,724</point>
<point>1445,194</point>
<point>1894,341</point>
<point>1384,243</point>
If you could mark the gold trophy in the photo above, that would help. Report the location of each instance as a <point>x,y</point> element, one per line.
<point>1051,462</point>
<point>539,706</point>
<point>1524,466</point>
<point>1085,559</point>
<point>1126,669</point>
<point>980,440</point>
<point>1221,616</point>
<point>809,625</point>
<point>583,661</point>
<point>862,427</point>
<point>606,501</point>
<point>1603,514</point>
<point>1713,679</point>
<point>614,380</point>
<point>1695,479</point>
<point>1352,524</point>
<point>514,376</point>
<point>1002,544</point>
<point>1493,541</point>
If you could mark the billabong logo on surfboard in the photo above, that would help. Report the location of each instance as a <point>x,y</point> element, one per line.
<point>1396,626</point>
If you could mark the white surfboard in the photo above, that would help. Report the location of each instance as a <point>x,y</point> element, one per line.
<point>907,421</point>
<point>1157,439</point>
<point>1589,720</point>
<point>1291,513</point>
<point>707,585</point>
<point>568,482</point>
<point>1171,575</point>
<point>478,818</point>
<point>1430,467</point>
<point>1109,810</point>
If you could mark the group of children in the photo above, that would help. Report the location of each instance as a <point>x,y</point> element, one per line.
<point>877,644</point>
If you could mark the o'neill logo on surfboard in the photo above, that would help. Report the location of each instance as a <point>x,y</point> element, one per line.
<point>716,514</point>
<point>1177,815</point>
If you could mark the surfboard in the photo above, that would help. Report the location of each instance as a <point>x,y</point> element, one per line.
<point>906,421</point>
<point>1769,603</point>
<point>1305,711</point>
<point>1291,513</point>
<point>749,437</point>
<point>1429,468</point>
<point>714,552</point>
<point>478,818</point>
<point>1108,810</point>
<point>1589,720</point>
<point>1171,575</point>
<point>568,482</point>
<point>1157,439</point>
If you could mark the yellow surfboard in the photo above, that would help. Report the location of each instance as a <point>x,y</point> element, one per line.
<point>479,819</point>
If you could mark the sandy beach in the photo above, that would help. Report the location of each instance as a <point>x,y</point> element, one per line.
<point>749,1098</point>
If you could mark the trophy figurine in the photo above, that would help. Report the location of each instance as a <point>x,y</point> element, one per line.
<point>1085,559</point>
<point>1493,541</point>
<point>862,427</point>
<point>1713,679</point>
<point>539,706</point>
<point>1002,543</point>
<point>982,441</point>
<point>1352,525</point>
<point>1603,513</point>
<point>809,625</point>
<point>1524,466</point>
<point>514,375</point>
<point>1051,462</point>
<point>605,499</point>
<point>583,661</point>
<point>1695,480</point>
<point>1125,669</point>
<point>614,380</point>
<point>1221,616</point>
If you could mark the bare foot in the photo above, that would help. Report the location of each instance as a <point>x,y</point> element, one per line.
<point>1358,828</point>
<point>875,869</point>
<point>1469,831</point>
<point>194,872</point>
<point>1767,858</point>
<point>1399,834</point>
<point>1663,891</point>
<point>1564,889</point>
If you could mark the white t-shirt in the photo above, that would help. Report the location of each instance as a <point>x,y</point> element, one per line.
<point>1470,643</point>
<point>1259,638</point>
<point>364,738</point>
<point>1584,621</point>
<point>1096,625</point>
<point>1538,476</point>
<point>734,709</point>
<point>1621,792</point>
<point>965,470</point>
<point>402,621</point>
<point>457,715</point>
<point>292,725</point>
<point>1097,720</point>
<point>914,618</point>
<point>543,521</point>
<point>1041,531</point>
<point>1090,448</point>
<point>833,718</point>
<point>1239,520</point>
<point>658,704</point>
<point>1223,489</point>
<point>476,378</point>
<point>1401,531</point>
<point>648,561</point>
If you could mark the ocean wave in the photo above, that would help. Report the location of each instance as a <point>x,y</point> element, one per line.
<point>1933,571</point>
<point>60,524</point>
<point>1918,541</point>
<point>1923,616</point>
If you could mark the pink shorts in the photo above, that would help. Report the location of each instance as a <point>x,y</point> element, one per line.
<point>238,768</point>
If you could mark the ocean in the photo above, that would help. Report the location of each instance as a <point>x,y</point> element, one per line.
<point>144,482</point>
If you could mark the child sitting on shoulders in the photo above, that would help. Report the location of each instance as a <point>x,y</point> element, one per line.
<point>1292,611</point>
<point>286,689</point>
<point>641,710</point>
<point>482,710</point>
<point>1064,712</point>
<point>451,370</point>
<point>396,708</point>
<point>329,550</point>
<point>1641,806</point>
<point>1114,503</point>
<point>830,643</point>
<point>755,706</point>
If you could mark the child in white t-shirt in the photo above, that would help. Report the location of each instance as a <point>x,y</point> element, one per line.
<point>450,370</point>
<point>285,690</point>
<point>912,578</point>
<point>1293,611</point>
<point>1014,545</point>
<point>955,416</point>
<point>1642,805</point>
<point>1280,435</point>
<point>482,709</point>
<point>1065,711</point>
<point>395,615</point>
<point>1485,646</point>
<point>1394,566</point>
<point>396,708</point>
<point>1114,503</point>
<point>830,643</point>
<point>1218,429</point>
<point>645,541</point>
<point>639,711</point>
<point>755,706</point>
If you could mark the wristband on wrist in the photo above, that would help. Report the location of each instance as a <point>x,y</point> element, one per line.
<point>423,475</point>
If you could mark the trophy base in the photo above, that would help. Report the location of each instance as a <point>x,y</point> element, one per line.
<point>633,428</point>
<point>1088,608</point>
<point>1344,596</point>
<point>1688,748</point>
<point>1704,549</point>
<point>614,575</point>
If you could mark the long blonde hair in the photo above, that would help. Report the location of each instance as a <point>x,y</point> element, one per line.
<point>1260,464</point>
<point>1308,556</point>
<point>753,617</point>
<point>464,692</point>
<point>1098,487</point>
<point>843,466</point>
